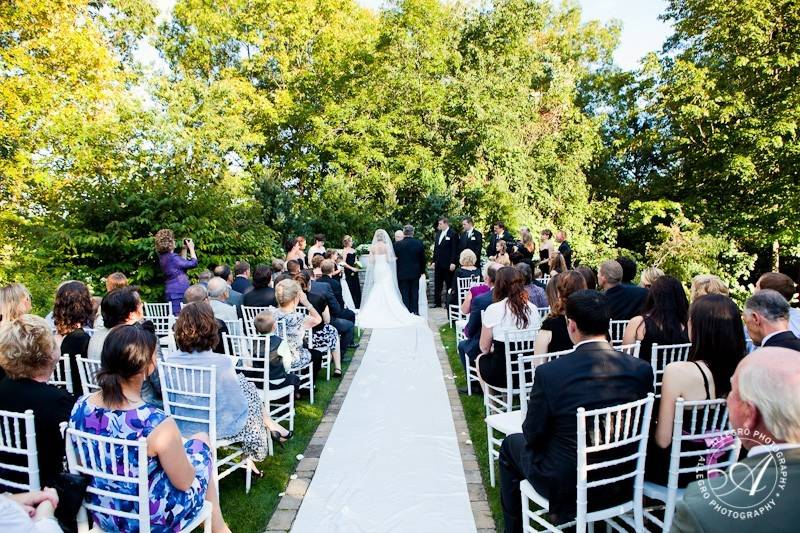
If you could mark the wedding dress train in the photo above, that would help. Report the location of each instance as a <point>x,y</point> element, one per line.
<point>381,306</point>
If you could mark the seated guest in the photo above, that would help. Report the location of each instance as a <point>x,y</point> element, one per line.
<point>217,296</point>
<point>593,376</point>
<point>551,289</point>
<point>342,319</point>
<point>536,294</point>
<point>326,268</point>
<point>556,264</point>
<point>510,310</point>
<point>326,338</point>
<point>784,285</point>
<point>470,348</point>
<point>197,293</point>
<point>475,291</point>
<point>204,277</point>
<point>766,317</point>
<point>289,296</point>
<point>649,275</point>
<point>72,314</point>
<point>553,336</point>
<point>234,297</point>
<point>715,331</point>
<point>707,284</point>
<point>293,267</point>
<point>316,265</point>
<point>28,354</point>
<point>262,294</point>
<point>117,280</point>
<point>31,512</point>
<point>663,319</point>
<point>240,416</point>
<point>625,300</point>
<point>279,356</point>
<point>182,473</point>
<point>629,269</point>
<point>589,275</point>
<point>124,306</point>
<point>764,405</point>
<point>278,265</point>
<point>15,301</point>
<point>466,270</point>
<point>241,282</point>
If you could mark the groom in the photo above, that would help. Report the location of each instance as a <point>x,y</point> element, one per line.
<point>410,254</point>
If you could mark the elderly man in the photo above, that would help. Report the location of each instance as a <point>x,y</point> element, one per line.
<point>398,235</point>
<point>218,294</point>
<point>766,316</point>
<point>762,492</point>
<point>784,285</point>
<point>624,300</point>
<point>224,272</point>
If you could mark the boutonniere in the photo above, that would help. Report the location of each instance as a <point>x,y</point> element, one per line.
<point>447,238</point>
<point>472,238</point>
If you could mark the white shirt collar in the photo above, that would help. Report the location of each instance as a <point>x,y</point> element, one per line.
<point>587,342</point>
<point>768,337</point>
<point>443,234</point>
<point>767,448</point>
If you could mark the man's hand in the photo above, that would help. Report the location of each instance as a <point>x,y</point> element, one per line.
<point>40,503</point>
<point>452,267</point>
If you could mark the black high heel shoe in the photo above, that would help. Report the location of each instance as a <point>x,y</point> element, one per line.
<point>279,439</point>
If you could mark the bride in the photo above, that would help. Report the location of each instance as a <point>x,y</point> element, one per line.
<point>382,306</point>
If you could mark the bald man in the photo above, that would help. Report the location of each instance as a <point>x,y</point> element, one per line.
<point>764,408</point>
<point>218,292</point>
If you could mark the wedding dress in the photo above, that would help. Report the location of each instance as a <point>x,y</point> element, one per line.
<point>381,304</point>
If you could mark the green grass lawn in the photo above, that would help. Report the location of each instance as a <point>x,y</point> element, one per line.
<point>249,513</point>
<point>474,412</point>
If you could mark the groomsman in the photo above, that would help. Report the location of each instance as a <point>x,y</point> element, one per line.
<point>471,239</point>
<point>445,257</point>
<point>499,233</point>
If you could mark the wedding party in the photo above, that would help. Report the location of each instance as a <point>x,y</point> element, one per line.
<point>389,266</point>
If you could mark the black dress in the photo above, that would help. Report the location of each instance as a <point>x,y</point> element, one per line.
<point>76,344</point>
<point>559,340</point>
<point>353,282</point>
<point>654,335</point>
<point>544,256</point>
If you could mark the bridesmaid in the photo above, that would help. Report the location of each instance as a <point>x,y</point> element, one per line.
<point>350,270</point>
<point>545,250</point>
<point>294,250</point>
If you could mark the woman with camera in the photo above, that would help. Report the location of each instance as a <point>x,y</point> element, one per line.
<point>175,266</point>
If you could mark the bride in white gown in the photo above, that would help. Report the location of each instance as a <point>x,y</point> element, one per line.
<point>382,306</point>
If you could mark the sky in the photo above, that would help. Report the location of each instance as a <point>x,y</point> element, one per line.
<point>642,32</point>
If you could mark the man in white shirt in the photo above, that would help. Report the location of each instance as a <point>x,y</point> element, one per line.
<point>217,295</point>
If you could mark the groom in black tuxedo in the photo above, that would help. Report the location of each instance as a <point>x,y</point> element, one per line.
<point>410,254</point>
<point>445,258</point>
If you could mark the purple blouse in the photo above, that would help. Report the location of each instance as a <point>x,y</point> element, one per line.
<point>174,267</point>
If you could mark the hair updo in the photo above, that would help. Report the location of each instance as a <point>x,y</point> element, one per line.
<point>127,351</point>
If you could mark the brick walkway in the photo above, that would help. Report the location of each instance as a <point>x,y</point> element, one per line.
<point>284,516</point>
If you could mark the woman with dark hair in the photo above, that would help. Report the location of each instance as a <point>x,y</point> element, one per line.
<point>73,314</point>
<point>589,275</point>
<point>511,310</point>
<point>556,263</point>
<point>239,403</point>
<point>294,252</point>
<point>554,336</point>
<point>536,294</point>
<point>174,266</point>
<point>717,337</point>
<point>663,319</point>
<point>180,475</point>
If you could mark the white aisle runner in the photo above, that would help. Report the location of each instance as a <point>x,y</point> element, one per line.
<point>391,462</point>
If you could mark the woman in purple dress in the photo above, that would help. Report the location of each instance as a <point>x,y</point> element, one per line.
<point>174,266</point>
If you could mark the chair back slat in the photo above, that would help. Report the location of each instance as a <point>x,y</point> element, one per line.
<point>87,370</point>
<point>630,349</point>
<point>190,394</point>
<point>163,324</point>
<point>62,374</point>
<point>157,309</point>
<point>249,314</point>
<point>661,356</point>
<point>616,330</point>
<point>527,365</point>
<point>252,356</point>
<point>18,447</point>
<point>543,312</point>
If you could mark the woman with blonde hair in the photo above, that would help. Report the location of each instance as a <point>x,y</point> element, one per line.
<point>290,295</point>
<point>649,275</point>
<point>15,301</point>
<point>556,264</point>
<point>502,256</point>
<point>351,270</point>
<point>528,247</point>
<point>467,269</point>
<point>174,266</point>
<point>707,284</point>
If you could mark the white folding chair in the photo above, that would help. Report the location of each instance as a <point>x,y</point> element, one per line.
<point>109,464</point>
<point>87,370</point>
<point>546,279</point>
<point>661,356</point>
<point>472,369</point>
<point>616,330</point>
<point>62,374</point>
<point>162,324</point>
<point>511,422</point>
<point>253,352</point>
<point>630,349</point>
<point>327,355</point>
<point>517,343</point>
<point>707,422</point>
<point>248,318</point>
<point>618,427</point>
<point>190,395</point>
<point>18,439</point>
<point>543,312</point>
<point>235,327</point>
<point>305,373</point>
<point>463,285</point>
<point>158,309</point>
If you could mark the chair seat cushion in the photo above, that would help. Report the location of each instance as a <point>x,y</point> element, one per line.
<point>507,423</point>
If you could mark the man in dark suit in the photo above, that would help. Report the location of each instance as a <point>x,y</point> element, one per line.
<point>499,233</point>
<point>471,239</point>
<point>242,282</point>
<point>761,492</point>
<point>234,297</point>
<point>469,349</point>
<point>410,254</point>
<point>326,267</point>
<point>342,319</point>
<point>262,294</point>
<point>445,259</point>
<point>593,376</point>
<point>624,300</point>
<point>766,316</point>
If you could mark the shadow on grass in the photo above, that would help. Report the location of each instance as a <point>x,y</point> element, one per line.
<point>474,412</point>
